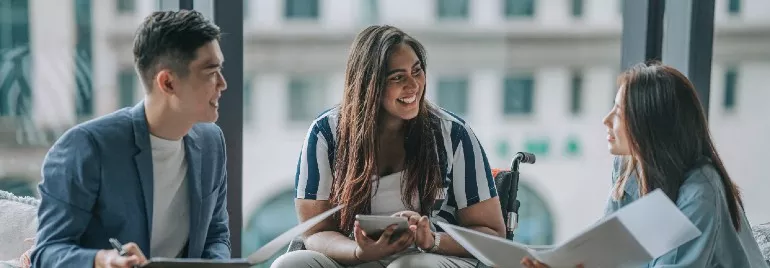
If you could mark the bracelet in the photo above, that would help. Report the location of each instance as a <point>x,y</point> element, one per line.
<point>436,241</point>
<point>434,248</point>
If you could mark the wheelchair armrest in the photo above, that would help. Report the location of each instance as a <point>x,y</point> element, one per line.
<point>503,182</point>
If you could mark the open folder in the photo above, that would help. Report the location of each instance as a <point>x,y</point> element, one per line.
<point>261,255</point>
<point>634,235</point>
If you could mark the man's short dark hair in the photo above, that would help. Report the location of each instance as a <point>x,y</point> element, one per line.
<point>169,39</point>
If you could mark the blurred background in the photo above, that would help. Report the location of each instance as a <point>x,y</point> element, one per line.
<point>529,75</point>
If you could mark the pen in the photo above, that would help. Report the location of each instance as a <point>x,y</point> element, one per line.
<point>119,247</point>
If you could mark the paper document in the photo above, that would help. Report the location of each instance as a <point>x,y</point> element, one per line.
<point>261,255</point>
<point>636,234</point>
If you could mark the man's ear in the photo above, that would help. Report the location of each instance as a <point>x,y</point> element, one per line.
<point>164,81</point>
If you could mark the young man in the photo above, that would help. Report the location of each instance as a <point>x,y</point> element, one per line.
<point>153,175</point>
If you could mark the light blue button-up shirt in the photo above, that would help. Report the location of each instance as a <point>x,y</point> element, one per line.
<point>702,200</point>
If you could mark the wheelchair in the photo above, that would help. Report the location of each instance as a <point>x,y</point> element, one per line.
<point>507,184</point>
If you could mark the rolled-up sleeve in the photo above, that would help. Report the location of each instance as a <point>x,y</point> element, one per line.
<point>70,185</point>
<point>472,180</point>
<point>314,168</point>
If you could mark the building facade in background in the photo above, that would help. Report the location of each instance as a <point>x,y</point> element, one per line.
<point>529,75</point>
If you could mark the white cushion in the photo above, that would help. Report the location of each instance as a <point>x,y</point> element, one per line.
<point>762,235</point>
<point>19,218</point>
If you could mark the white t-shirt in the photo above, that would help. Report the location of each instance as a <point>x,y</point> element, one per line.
<point>465,171</point>
<point>386,200</point>
<point>170,208</point>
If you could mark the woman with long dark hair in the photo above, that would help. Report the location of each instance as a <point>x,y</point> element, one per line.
<point>659,133</point>
<point>385,150</point>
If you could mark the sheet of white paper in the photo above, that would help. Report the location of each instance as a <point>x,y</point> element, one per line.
<point>271,248</point>
<point>491,250</point>
<point>662,231</point>
<point>606,245</point>
<point>645,229</point>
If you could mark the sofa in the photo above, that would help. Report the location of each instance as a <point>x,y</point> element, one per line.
<point>19,218</point>
<point>762,235</point>
<point>19,224</point>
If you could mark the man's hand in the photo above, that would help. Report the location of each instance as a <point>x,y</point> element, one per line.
<point>111,258</point>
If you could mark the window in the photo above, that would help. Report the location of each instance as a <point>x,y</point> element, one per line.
<point>126,87</point>
<point>615,89</point>
<point>535,218</point>
<point>83,60</point>
<point>537,146</point>
<point>306,98</point>
<point>572,147</point>
<point>517,98</point>
<point>301,9</point>
<point>246,10</point>
<point>370,11</point>
<point>734,6</point>
<point>452,9</point>
<point>14,24</point>
<point>269,221</point>
<point>15,59</point>
<point>576,94</point>
<point>453,94</point>
<point>577,8</point>
<point>205,7</point>
<point>168,5</point>
<point>731,81</point>
<point>503,149</point>
<point>519,8</point>
<point>17,186</point>
<point>126,6</point>
<point>621,6</point>
<point>248,101</point>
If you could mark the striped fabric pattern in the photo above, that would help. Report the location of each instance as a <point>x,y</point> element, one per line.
<point>465,168</point>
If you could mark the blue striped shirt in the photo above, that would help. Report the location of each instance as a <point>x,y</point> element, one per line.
<point>465,168</point>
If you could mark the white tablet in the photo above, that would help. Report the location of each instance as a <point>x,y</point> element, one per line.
<point>374,226</point>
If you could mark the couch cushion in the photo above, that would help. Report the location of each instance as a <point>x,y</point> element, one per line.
<point>19,218</point>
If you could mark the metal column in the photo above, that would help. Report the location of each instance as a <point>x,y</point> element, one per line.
<point>688,42</point>
<point>642,31</point>
<point>228,15</point>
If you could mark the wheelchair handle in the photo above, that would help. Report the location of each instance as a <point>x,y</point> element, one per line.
<point>522,157</point>
<point>513,204</point>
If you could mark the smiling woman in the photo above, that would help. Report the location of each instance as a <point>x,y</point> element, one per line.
<point>376,154</point>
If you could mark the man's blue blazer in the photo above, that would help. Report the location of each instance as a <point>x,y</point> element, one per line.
<point>98,184</point>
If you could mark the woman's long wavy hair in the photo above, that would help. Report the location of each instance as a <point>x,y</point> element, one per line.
<point>355,161</point>
<point>669,134</point>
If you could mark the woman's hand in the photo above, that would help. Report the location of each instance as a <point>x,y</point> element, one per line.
<point>420,226</point>
<point>371,250</point>
<point>529,263</point>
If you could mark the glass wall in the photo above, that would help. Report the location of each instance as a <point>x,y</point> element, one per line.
<point>527,75</point>
<point>514,70</point>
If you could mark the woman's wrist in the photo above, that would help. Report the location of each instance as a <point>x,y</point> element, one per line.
<point>355,255</point>
<point>434,245</point>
